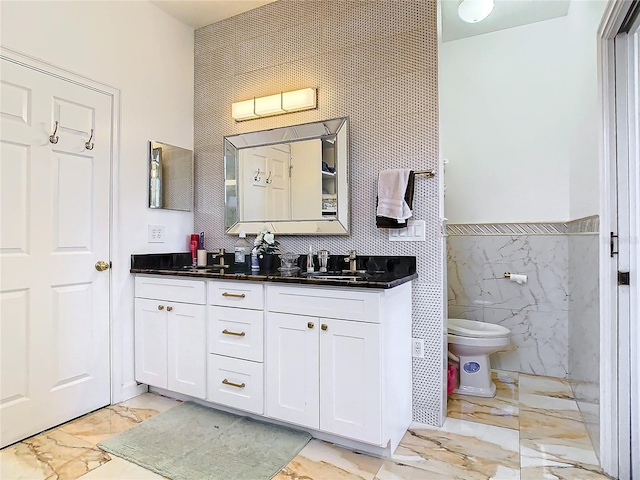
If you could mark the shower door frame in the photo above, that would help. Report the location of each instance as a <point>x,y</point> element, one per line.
<point>620,211</point>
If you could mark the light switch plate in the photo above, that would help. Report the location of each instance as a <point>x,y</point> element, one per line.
<point>415,232</point>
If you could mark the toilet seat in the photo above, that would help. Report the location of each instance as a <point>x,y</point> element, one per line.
<point>473,329</point>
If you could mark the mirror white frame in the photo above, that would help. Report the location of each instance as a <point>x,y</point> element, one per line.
<point>254,200</point>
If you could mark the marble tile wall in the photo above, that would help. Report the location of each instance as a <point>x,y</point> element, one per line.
<point>537,313</point>
<point>584,329</point>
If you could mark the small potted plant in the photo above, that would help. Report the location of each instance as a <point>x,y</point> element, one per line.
<point>266,246</point>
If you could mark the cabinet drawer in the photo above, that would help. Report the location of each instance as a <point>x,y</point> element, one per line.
<point>236,332</point>
<point>236,383</point>
<point>171,289</point>
<point>323,302</point>
<point>237,294</point>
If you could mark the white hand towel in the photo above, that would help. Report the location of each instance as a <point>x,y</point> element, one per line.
<point>392,185</point>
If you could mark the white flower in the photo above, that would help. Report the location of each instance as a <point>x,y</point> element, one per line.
<point>269,238</point>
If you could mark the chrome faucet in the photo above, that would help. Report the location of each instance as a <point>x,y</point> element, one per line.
<point>219,255</point>
<point>352,262</point>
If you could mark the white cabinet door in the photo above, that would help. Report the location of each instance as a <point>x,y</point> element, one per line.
<point>151,342</point>
<point>187,349</point>
<point>292,369</point>
<point>350,379</point>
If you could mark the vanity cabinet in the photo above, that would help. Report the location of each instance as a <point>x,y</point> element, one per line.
<point>170,335</point>
<point>329,364</point>
<point>324,373</point>
<point>335,360</point>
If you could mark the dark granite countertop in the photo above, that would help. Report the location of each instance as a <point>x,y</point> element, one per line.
<point>380,272</point>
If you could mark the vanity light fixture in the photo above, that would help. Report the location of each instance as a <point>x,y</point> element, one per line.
<point>283,102</point>
<point>474,11</point>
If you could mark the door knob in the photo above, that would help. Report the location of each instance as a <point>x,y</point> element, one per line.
<point>102,266</point>
<point>323,326</point>
<point>169,309</point>
<point>160,307</point>
<point>310,325</point>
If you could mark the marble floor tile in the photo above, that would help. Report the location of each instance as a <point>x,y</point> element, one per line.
<point>324,461</point>
<point>152,401</point>
<point>391,470</point>
<point>501,410</point>
<point>120,469</point>
<point>102,424</point>
<point>546,386</point>
<point>548,437</point>
<point>52,454</point>
<point>560,472</point>
<point>463,450</point>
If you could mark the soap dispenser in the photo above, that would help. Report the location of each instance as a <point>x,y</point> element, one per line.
<point>310,265</point>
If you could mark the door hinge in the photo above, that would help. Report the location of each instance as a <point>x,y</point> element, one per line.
<point>624,278</point>
<point>613,239</point>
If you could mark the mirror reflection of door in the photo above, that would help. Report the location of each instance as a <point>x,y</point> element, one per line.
<point>278,183</point>
<point>306,176</point>
<point>265,179</point>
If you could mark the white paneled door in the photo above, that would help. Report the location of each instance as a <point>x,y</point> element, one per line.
<point>54,231</point>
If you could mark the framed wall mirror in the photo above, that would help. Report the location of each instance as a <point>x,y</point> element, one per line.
<point>170,177</point>
<point>293,179</point>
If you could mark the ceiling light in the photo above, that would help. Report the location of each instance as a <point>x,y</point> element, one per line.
<point>473,11</point>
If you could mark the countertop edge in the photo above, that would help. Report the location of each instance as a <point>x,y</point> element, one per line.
<point>266,277</point>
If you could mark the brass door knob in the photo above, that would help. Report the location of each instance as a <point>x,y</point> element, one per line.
<point>160,307</point>
<point>323,326</point>
<point>310,325</point>
<point>102,266</point>
<point>169,309</point>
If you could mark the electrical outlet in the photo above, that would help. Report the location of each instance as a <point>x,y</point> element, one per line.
<point>156,234</point>
<point>417,348</point>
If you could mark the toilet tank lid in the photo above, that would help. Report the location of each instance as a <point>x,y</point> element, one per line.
<point>471,328</point>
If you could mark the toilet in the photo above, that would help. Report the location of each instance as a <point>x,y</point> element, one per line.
<point>472,342</point>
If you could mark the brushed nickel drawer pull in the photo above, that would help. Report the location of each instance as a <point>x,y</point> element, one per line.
<point>234,295</point>
<point>238,385</point>
<point>237,334</point>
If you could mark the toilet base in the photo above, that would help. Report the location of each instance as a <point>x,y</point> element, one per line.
<point>475,377</point>
<point>476,391</point>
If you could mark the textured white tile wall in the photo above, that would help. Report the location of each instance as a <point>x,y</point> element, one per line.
<point>374,61</point>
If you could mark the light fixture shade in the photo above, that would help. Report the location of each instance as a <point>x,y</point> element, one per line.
<point>271,105</point>
<point>243,110</point>
<point>299,100</point>
<point>473,11</point>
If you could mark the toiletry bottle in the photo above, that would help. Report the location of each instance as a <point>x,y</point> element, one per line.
<point>255,266</point>
<point>310,265</point>
<point>194,249</point>
<point>241,249</point>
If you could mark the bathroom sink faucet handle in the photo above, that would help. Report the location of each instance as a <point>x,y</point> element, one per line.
<point>352,260</point>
